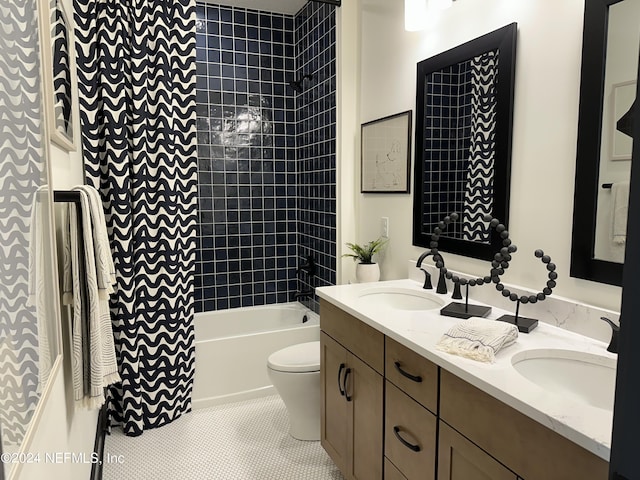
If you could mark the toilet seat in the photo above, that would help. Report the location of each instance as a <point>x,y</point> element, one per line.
<point>300,358</point>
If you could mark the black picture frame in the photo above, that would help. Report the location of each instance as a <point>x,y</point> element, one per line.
<point>386,154</point>
<point>590,124</point>
<point>503,41</point>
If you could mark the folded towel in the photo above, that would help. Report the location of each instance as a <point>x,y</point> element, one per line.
<point>478,339</point>
<point>94,360</point>
<point>620,194</point>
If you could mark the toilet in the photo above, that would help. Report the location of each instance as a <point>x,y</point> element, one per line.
<point>295,373</point>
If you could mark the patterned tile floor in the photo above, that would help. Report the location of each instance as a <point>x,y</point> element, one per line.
<point>237,441</point>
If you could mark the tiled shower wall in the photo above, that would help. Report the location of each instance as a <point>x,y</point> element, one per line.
<point>254,226</point>
<point>316,133</point>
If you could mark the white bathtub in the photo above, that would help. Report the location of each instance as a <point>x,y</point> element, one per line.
<point>232,347</point>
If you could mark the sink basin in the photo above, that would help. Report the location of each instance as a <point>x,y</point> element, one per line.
<point>584,377</point>
<point>398,298</point>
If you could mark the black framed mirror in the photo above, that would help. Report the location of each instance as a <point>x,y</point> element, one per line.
<point>600,164</point>
<point>464,110</point>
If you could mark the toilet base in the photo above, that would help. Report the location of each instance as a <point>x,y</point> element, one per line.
<point>300,393</point>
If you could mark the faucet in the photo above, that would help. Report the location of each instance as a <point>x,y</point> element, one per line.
<point>615,333</point>
<point>303,294</point>
<point>442,285</point>
<point>309,266</point>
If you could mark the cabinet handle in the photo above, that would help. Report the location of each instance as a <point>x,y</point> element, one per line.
<point>342,392</point>
<point>346,376</point>
<point>410,446</point>
<point>417,379</point>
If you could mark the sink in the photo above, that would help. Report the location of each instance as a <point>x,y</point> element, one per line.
<point>584,377</point>
<point>398,298</point>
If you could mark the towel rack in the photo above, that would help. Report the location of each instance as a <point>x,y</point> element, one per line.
<point>71,196</point>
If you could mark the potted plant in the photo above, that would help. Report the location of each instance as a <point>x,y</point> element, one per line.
<point>366,270</point>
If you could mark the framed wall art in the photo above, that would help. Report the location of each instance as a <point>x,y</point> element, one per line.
<point>386,154</point>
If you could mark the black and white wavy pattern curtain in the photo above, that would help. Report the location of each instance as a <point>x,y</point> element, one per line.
<point>478,192</point>
<point>136,75</point>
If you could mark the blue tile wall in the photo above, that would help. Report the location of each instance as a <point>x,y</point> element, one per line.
<point>259,148</point>
<point>315,36</point>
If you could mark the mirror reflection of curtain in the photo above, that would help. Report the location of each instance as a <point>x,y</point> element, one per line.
<point>61,70</point>
<point>459,145</point>
<point>22,171</point>
<point>478,192</point>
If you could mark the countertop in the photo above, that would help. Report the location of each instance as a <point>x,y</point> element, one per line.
<point>588,426</point>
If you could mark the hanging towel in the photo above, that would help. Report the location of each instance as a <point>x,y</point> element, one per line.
<point>478,339</point>
<point>620,194</point>
<point>94,359</point>
<point>105,269</point>
<point>38,249</point>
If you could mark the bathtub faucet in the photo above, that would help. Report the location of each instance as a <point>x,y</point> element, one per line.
<point>303,294</point>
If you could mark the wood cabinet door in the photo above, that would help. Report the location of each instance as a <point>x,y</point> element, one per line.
<point>460,459</point>
<point>364,387</point>
<point>334,409</point>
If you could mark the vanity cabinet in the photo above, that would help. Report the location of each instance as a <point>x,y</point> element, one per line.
<point>351,371</point>
<point>515,440</point>
<point>428,414</point>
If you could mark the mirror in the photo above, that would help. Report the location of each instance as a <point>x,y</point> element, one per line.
<point>607,93</point>
<point>57,74</point>
<point>30,352</point>
<point>464,110</point>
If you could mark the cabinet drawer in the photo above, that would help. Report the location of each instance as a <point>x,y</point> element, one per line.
<point>359,338</point>
<point>512,438</point>
<point>410,435</point>
<point>391,472</point>
<point>412,373</point>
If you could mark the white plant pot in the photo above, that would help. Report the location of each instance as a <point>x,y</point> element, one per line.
<point>367,272</point>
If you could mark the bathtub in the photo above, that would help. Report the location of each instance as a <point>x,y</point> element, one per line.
<point>232,347</point>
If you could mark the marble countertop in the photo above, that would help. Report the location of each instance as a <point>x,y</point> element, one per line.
<point>588,426</point>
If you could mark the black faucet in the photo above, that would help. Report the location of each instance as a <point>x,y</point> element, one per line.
<point>442,284</point>
<point>309,266</point>
<point>615,333</point>
<point>303,294</point>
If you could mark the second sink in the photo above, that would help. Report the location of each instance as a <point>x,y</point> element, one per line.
<point>400,298</point>
<point>585,377</point>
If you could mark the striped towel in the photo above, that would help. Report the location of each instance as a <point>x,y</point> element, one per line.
<point>94,363</point>
<point>478,339</point>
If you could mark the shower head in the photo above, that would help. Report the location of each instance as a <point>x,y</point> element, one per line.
<point>296,85</point>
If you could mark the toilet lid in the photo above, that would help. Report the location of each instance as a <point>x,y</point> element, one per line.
<point>303,357</point>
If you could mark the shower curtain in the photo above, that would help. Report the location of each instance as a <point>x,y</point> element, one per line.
<point>136,82</point>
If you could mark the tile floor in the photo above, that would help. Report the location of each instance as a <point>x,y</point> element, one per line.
<point>237,441</point>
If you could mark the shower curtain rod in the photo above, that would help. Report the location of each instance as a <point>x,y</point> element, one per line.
<point>337,3</point>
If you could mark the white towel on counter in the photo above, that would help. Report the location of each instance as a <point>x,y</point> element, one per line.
<point>620,194</point>
<point>478,339</point>
<point>94,358</point>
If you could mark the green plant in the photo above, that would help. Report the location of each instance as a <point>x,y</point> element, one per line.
<point>364,253</point>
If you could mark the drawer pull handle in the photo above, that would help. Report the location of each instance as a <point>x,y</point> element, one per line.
<point>346,376</point>
<point>342,392</point>
<point>415,378</point>
<point>410,446</point>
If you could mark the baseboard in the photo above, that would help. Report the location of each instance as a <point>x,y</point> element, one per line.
<point>98,446</point>
<point>234,397</point>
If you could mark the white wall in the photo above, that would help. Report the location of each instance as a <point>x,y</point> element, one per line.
<point>544,136</point>
<point>63,428</point>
